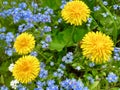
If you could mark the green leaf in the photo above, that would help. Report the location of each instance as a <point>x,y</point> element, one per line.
<point>94,72</point>
<point>94,85</point>
<point>79,34</point>
<point>7,79</point>
<point>57,43</point>
<point>68,37</point>
<point>116,88</point>
<point>61,40</point>
<point>52,4</point>
<point>4,68</point>
<point>90,3</point>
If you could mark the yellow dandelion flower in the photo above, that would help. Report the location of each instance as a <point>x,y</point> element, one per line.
<point>97,47</point>
<point>24,43</point>
<point>26,69</point>
<point>75,12</point>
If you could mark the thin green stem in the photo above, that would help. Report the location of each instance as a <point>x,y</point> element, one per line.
<point>118,41</point>
<point>49,59</point>
<point>71,37</point>
<point>114,32</point>
<point>41,54</point>
<point>94,20</point>
<point>2,79</point>
<point>88,28</point>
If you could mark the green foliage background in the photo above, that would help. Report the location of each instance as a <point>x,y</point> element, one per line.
<point>67,38</point>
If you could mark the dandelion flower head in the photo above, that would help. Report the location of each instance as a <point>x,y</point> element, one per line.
<point>24,43</point>
<point>26,69</point>
<point>97,47</point>
<point>75,12</point>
